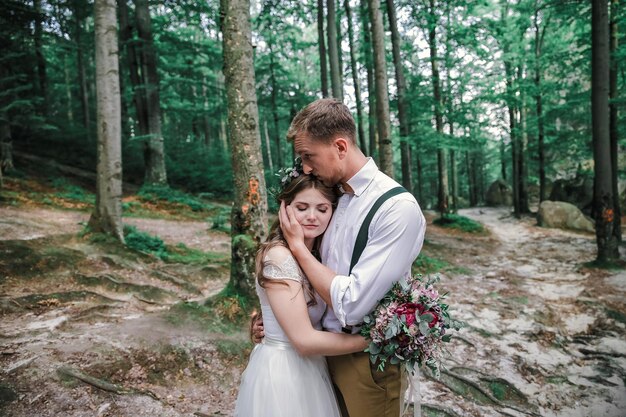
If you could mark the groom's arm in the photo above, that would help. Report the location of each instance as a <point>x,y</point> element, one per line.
<point>319,275</point>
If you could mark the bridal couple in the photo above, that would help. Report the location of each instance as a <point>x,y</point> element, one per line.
<point>310,362</point>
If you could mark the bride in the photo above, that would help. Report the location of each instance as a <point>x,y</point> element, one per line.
<point>287,374</point>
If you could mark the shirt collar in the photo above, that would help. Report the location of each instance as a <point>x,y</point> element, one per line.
<point>363,178</point>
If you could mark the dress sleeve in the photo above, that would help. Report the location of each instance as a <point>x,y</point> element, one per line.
<point>280,264</point>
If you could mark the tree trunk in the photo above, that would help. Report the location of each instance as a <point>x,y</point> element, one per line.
<point>614,119</point>
<point>454,179</point>
<point>68,91</point>
<point>154,152</point>
<point>268,147</point>
<point>355,78</point>
<point>107,215</point>
<point>139,98</point>
<point>335,72</point>
<point>539,107</point>
<point>385,145</point>
<point>523,146</point>
<point>398,66</point>
<point>322,47</point>
<point>603,185</point>
<point>503,160</point>
<point>41,60</point>
<point>274,97</point>
<point>80,61</point>
<point>471,180</point>
<point>401,87</point>
<point>442,166</point>
<point>420,180</point>
<point>249,213</point>
<point>205,117</point>
<point>371,88</point>
<point>405,155</point>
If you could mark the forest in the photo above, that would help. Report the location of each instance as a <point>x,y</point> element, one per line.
<point>139,139</point>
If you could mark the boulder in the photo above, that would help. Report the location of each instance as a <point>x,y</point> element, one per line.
<point>563,215</point>
<point>577,191</point>
<point>499,194</point>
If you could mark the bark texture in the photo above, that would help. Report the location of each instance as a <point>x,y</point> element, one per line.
<point>333,51</point>
<point>107,215</point>
<point>249,214</point>
<point>385,147</point>
<point>603,185</point>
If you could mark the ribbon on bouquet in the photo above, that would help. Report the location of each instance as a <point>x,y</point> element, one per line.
<point>412,393</point>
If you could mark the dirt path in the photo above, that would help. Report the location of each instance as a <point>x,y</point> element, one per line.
<point>26,223</point>
<point>545,336</point>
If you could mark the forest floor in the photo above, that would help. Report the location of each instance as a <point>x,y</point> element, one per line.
<point>90,328</point>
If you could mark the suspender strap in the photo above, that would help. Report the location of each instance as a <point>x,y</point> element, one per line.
<point>361,238</point>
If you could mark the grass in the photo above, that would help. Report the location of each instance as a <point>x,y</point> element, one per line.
<point>425,265</point>
<point>181,254</point>
<point>165,193</point>
<point>455,221</point>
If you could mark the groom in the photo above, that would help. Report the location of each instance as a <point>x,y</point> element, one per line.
<point>324,136</point>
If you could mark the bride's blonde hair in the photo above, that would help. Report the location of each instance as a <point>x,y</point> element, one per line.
<point>276,238</point>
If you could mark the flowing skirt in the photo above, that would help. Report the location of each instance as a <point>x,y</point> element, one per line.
<point>278,382</point>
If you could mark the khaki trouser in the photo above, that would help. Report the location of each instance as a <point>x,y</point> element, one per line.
<point>363,390</point>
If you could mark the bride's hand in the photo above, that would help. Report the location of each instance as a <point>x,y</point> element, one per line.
<point>292,230</point>
<point>256,327</point>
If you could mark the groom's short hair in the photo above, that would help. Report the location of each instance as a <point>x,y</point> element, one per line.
<point>324,120</point>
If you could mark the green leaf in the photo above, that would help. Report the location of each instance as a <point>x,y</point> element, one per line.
<point>427,317</point>
<point>374,349</point>
<point>424,328</point>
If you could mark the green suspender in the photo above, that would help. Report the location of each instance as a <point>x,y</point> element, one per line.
<point>361,238</point>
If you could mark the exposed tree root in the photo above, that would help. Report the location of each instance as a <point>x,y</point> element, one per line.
<point>101,384</point>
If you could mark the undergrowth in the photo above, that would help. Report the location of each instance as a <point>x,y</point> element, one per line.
<point>165,193</point>
<point>455,221</point>
<point>154,245</point>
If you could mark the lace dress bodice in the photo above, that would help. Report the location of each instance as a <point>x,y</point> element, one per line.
<point>287,269</point>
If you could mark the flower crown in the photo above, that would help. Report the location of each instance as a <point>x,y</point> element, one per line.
<point>286,175</point>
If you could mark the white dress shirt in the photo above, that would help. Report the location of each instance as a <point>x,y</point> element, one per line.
<point>395,238</point>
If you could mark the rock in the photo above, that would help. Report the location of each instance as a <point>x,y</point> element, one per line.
<point>563,215</point>
<point>577,191</point>
<point>499,194</point>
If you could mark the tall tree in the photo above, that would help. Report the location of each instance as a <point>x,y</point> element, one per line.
<point>355,78</point>
<point>603,186</point>
<point>107,215</point>
<point>79,17</point>
<point>249,213</point>
<point>442,194</point>
<point>371,88</point>
<point>385,147</point>
<point>539,37</point>
<point>401,91</point>
<point>154,152</point>
<point>41,60</point>
<point>322,47</point>
<point>614,118</point>
<point>333,51</point>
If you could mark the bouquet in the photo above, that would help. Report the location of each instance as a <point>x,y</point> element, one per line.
<point>409,326</point>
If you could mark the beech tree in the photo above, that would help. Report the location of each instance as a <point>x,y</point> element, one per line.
<point>249,212</point>
<point>107,215</point>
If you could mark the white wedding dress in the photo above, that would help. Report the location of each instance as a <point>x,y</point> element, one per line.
<point>278,382</point>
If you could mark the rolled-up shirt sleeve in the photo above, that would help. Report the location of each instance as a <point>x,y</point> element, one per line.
<point>396,235</point>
